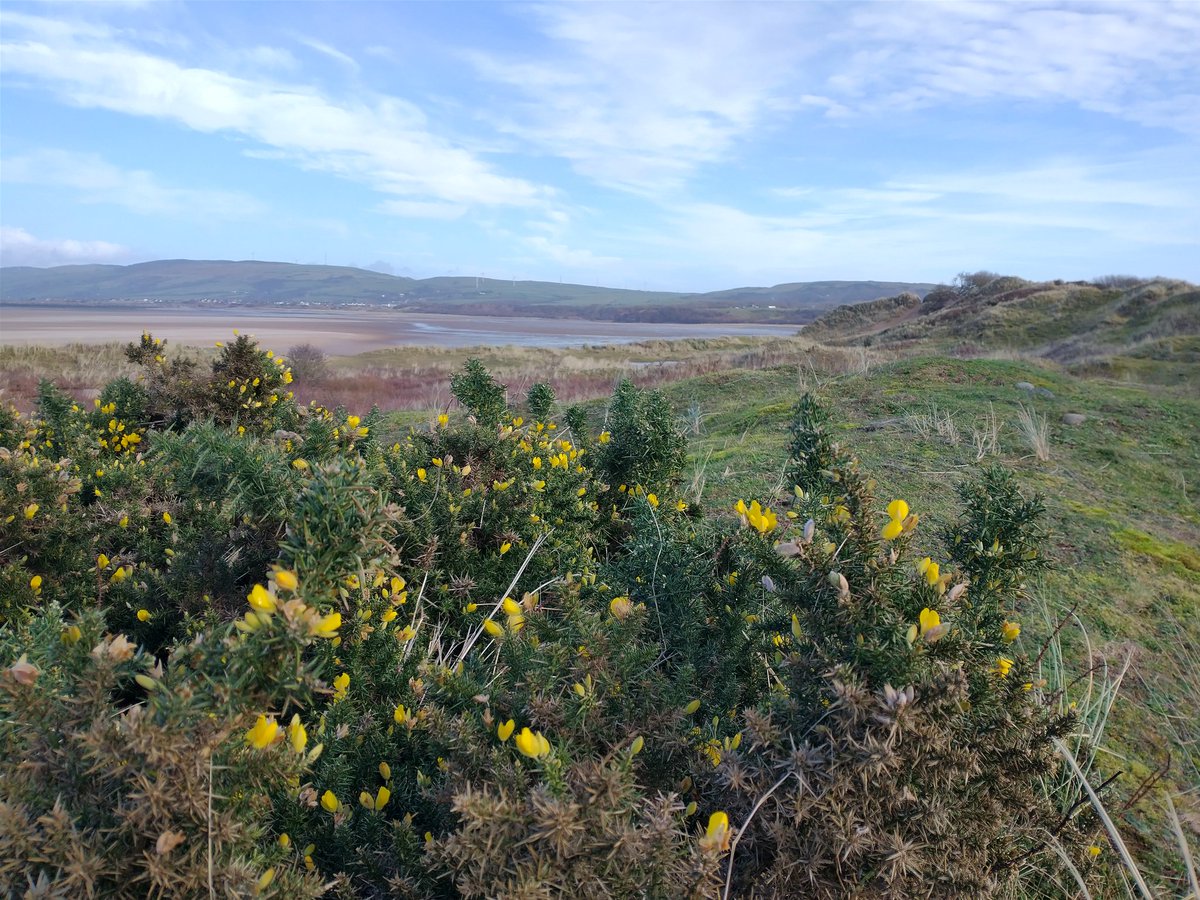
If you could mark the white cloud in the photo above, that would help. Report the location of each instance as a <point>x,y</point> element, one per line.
<point>328,50</point>
<point>1135,61</point>
<point>640,96</point>
<point>264,57</point>
<point>1057,213</point>
<point>558,252</point>
<point>1062,183</point>
<point>20,248</point>
<point>384,142</point>
<point>98,181</point>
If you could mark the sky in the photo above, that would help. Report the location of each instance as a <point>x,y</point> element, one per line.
<point>670,146</point>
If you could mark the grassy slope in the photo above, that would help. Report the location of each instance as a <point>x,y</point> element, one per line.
<point>1121,506</point>
<point>1149,332</point>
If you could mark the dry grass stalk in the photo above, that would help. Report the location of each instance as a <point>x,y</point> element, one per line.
<point>1035,429</point>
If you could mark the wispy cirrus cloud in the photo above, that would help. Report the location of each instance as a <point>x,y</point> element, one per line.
<point>1135,61</point>
<point>640,96</point>
<point>98,181</point>
<point>382,141</point>
<point>329,51</point>
<point>1052,216</point>
<point>645,97</point>
<point>20,248</point>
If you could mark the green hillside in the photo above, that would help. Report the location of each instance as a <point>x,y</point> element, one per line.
<point>271,283</point>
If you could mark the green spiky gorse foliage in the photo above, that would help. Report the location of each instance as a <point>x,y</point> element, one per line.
<point>266,649</point>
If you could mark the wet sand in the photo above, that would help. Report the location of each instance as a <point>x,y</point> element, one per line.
<point>337,332</point>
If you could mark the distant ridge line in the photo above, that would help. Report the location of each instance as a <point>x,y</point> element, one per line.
<point>181,282</point>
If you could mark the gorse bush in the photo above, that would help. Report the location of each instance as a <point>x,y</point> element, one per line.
<point>253,648</point>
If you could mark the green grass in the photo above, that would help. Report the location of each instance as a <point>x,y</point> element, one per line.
<point>1121,499</point>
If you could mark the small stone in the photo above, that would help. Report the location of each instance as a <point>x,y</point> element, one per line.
<point>1074,418</point>
<point>1023,386</point>
<point>1044,392</point>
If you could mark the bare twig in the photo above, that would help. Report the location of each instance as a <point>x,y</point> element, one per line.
<point>737,837</point>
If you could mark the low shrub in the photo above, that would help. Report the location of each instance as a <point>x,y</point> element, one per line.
<point>270,649</point>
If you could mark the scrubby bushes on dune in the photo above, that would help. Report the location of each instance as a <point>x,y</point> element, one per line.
<point>267,649</point>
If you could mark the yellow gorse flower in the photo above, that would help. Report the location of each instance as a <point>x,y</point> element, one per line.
<point>533,745</point>
<point>329,802</point>
<point>31,510</point>
<point>620,607</point>
<point>328,626</point>
<point>400,715</point>
<point>263,733</point>
<point>341,684</point>
<point>716,835</point>
<point>1003,666</point>
<point>761,520</point>
<point>287,580</point>
<point>505,730</point>
<point>143,615</point>
<point>494,628</point>
<point>929,620</point>
<point>1011,631</point>
<point>261,600</point>
<point>297,735</point>
<point>897,510</point>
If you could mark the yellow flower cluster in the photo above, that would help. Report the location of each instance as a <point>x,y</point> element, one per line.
<point>264,732</point>
<point>933,576</point>
<point>931,627</point>
<point>532,744</point>
<point>899,521</point>
<point>761,520</point>
<point>265,602</point>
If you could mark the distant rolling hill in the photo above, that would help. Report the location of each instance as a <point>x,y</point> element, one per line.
<point>251,283</point>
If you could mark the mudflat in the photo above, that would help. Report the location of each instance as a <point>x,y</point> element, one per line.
<point>338,332</point>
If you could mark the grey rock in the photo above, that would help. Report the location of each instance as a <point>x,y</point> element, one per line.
<point>1044,392</point>
<point>1023,386</point>
<point>1074,418</point>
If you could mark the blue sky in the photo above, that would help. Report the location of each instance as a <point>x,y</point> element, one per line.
<point>675,146</point>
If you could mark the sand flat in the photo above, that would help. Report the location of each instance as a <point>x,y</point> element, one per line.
<point>336,331</point>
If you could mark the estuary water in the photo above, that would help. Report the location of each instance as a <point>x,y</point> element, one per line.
<point>337,331</point>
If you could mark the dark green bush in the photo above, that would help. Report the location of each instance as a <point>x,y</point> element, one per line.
<point>262,649</point>
<point>476,390</point>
